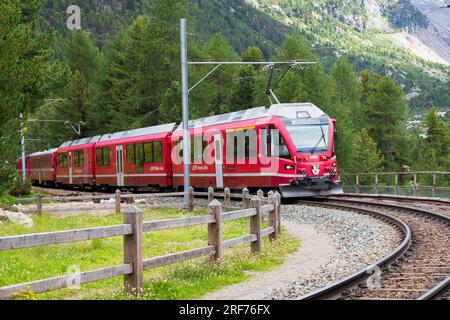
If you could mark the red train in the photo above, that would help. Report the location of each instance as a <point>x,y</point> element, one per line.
<point>289,147</point>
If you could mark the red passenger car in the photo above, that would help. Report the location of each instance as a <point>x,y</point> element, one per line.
<point>27,166</point>
<point>288,146</point>
<point>43,165</point>
<point>75,162</point>
<point>135,158</point>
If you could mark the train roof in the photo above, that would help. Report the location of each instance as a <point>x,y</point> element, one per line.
<point>164,128</point>
<point>42,153</point>
<point>80,142</point>
<point>291,111</point>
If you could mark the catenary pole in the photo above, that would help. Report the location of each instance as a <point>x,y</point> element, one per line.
<point>185,99</point>
<point>22,143</point>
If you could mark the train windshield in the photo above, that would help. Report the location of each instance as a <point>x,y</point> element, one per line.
<point>309,138</point>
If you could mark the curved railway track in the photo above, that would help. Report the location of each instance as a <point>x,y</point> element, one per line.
<point>419,268</point>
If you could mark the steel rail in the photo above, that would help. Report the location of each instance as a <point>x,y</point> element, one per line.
<point>389,197</point>
<point>436,291</point>
<point>393,206</point>
<point>336,289</point>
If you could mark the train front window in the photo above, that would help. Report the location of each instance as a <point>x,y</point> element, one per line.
<point>309,138</point>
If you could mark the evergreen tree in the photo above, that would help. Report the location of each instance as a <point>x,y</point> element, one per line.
<point>74,109</point>
<point>366,85</point>
<point>243,91</point>
<point>81,54</point>
<point>220,82</point>
<point>162,55</point>
<point>437,140</point>
<point>366,156</point>
<point>24,62</point>
<point>127,83</point>
<point>348,90</point>
<point>305,84</point>
<point>385,116</point>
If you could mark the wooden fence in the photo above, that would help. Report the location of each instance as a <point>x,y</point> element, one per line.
<point>397,175</point>
<point>120,197</point>
<point>134,227</point>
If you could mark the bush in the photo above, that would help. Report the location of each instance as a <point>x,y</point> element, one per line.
<point>20,188</point>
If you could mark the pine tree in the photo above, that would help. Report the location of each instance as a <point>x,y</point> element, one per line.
<point>243,91</point>
<point>76,108</point>
<point>385,116</point>
<point>220,82</point>
<point>366,156</point>
<point>437,140</point>
<point>24,61</point>
<point>308,84</point>
<point>81,54</point>
<point>348,90</point>
<point>162,56</point>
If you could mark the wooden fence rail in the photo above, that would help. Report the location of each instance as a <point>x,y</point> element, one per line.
<point>119,197</point>
<point>415,179</point>
<point>132,230</point>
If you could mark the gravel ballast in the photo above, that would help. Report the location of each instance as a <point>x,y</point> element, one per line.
<point>359,241</point>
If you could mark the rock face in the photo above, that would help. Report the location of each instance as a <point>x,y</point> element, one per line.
<point>16,217</point>
<point>437,34</point>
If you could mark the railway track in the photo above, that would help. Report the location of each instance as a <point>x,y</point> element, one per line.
<point>419,268</point>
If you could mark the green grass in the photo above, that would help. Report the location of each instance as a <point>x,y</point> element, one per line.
<point>185,280</point>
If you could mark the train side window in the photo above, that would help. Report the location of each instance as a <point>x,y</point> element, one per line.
<point>79,158</point>
<point>131,157</point>
<point>157,151</point>
<point>148,152</point>
<point>241,144</point>
<point>198,146</point>
<point>278,147</point>
<point>62,160</point>
<point>231,144</point>
<point>264,142</point>
<point>179,149</point>
<point>139,157</point>
<point>102,156</point>
<point>105,156</point>
<point>250,144</point>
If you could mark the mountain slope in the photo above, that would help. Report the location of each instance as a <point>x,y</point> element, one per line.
<point>374,34</point>
<point>387,37</point>
<point>437,34</point>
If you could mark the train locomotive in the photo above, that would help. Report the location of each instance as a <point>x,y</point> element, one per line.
<point>289,147</point>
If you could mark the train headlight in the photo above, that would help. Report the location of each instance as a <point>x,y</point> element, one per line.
<point>334,164</point>
<point>289,167</point>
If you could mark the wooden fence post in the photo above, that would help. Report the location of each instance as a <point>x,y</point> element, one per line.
<point>215,230</point>
<point>132,251</point>
<point>376,184</point>
<point>210,194</point>
<point>39,203</point>
<point>118,200</point>
<point>434,185</point>
<point>278,212</point>
<point>260,194</point>
<point>191,199</point>
<point>415,184</point>
<point>226,197</point>
<point>357,183</point>
<point>130,199</point>
<point>255,224</point>
<point>273,221</point>
<point>396,184</point>
<point>245,198</point>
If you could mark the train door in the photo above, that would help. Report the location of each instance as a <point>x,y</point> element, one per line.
<point>218,160</point>
<point>119,166</point>
<point>70,167</point>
